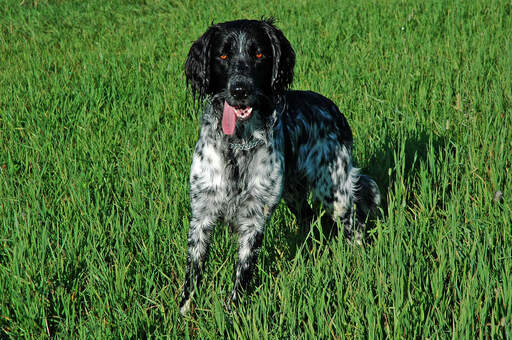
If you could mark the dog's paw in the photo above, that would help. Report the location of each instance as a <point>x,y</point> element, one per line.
<point>232,302</point>
<point>185,306</point>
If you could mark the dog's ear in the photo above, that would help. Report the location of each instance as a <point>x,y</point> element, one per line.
<point>283,58</point>
<point>197,66</point>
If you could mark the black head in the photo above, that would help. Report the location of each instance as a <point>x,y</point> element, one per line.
<point>243,61</point>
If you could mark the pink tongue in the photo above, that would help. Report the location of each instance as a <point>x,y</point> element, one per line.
<point>228,119</point>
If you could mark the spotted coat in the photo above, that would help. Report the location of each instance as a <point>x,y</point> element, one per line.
<point>300,143</point>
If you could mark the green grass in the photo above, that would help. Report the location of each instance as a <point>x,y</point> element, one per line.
<point>97,132</point>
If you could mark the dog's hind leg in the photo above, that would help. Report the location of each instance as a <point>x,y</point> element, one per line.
<point>343,205</point>
<point>335,187</point>
<point>362,191</point>
<point>367,197</point>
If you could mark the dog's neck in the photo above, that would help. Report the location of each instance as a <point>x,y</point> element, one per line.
<point>247,134</point>
<point>253,128</point>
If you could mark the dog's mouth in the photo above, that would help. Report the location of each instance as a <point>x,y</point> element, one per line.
<point>231,114</point>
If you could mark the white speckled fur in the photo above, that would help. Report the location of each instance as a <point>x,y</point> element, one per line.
<point>306,146</point>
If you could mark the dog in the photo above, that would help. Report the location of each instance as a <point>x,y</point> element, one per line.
<point>260,142</point>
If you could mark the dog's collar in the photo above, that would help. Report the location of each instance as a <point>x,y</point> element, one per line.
<point>246,146</point>
<point>254,142</point>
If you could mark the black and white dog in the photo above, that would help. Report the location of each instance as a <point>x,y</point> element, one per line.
<point>260,142</point>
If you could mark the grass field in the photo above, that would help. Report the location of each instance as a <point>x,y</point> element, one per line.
<point>97,132</point>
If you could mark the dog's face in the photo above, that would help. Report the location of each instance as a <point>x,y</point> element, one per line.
<point>241,64</point>
<point>246,63</point>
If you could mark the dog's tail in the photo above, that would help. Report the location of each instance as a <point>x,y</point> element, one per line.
<point>367,197</point>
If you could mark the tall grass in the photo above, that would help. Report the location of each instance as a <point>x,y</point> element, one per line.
<point>97,132</point>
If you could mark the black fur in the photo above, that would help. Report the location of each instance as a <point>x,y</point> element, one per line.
<point>284,144</point>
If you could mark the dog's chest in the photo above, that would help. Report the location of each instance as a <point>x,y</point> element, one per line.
<point>254,175</point>
<point>229,182</point>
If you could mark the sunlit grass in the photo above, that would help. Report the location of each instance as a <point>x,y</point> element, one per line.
<point>96,137</point>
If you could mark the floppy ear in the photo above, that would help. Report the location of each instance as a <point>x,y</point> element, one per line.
<point>284,58</point>
<point>197,66</point>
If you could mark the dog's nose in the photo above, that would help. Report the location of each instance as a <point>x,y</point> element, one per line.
<point>239,92</point>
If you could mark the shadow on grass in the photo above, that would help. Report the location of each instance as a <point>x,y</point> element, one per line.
<point>415,149</point>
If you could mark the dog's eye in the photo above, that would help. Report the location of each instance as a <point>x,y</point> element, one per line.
<point>223,57</point>
<point>259,55</point>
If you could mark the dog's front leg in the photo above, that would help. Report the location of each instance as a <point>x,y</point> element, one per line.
<point>249,243</point>
<point>206,197</point>
<point>253,215</point>
<point>198,244</point>
<point>263,193</point>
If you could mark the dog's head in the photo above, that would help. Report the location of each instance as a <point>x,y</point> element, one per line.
<point>247,63</point>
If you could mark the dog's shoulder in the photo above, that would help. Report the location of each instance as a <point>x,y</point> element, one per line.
<point>316,110</point>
